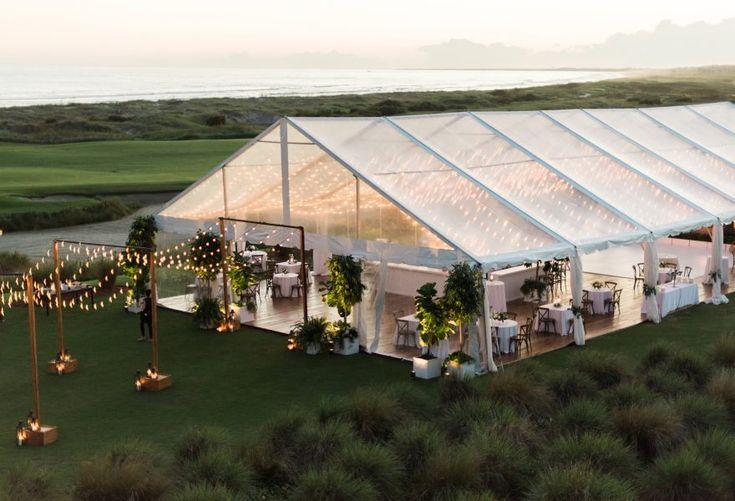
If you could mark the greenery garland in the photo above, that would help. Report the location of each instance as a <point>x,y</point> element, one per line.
<point>648,290</point>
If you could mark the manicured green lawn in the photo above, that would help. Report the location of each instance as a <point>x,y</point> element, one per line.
<point>236,381</point>
<point>103,168</point>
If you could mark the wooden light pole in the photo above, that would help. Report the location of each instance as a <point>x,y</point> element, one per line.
<point>37,434</point>
<point>63,363</point>
<point>227,326</point>
<point>154,309</point>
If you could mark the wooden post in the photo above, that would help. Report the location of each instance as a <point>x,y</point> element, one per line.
<point>303,271</point>
<point>34,352</point>
<point>223,250</point>
<point>59,311</point>
<point>154,309</point>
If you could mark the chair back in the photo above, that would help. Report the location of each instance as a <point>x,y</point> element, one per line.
<point>641,270</point>
<point>687,271</point>
<point>543,314</point>
<point>616,295</point>
<point>611,285</point>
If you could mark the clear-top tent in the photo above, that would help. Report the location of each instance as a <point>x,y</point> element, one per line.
<point>497,188</point>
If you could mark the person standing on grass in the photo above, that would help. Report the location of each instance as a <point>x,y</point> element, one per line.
<point>146,317</point>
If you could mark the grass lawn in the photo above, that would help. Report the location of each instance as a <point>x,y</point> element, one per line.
<point>235,381</point>
<point>107,168</point>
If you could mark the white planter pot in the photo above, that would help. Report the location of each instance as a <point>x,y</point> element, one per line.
<point>313,348</point>
<point>462,371</point>
<point>427,369</point>
<point>347,347</point>
<point>133,308</point>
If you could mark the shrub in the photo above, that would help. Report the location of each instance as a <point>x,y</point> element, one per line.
<point>199,441</point>
<point>723,353</point>
<point>579,482</point>
<point>682,476</point>
<point>691,367</point>
<point>568,385</point>
<point>667,384</point>
<point>269,456</point>
<point>520,391</point>
<point>331,408</point>
<point>332,484</point>
<point>316,443</point>
<point>581,416</point>
<point>454,389</point>
<point>215,120</point>
<point>603,368</point>
<point>416,403</point>
<point>657,355</point>
<point>504,467</point>
<point>700,412</point>
<point>627,394</point>
<point>373,463</point>
<point>603,452</point>
<point>414,445</point>
<point>460,418</point>
<point>649,429</point>
<point>716,447</point>
<point>218,468</point>
<point>127,477</point>
<point>454,469</point>
<point>132,451</point>
<point>26,482</point>
<point>373,415</point>
<point>722,387</point>
<point>202,492</point>
<point>464,495</point>
<point>14,262</point>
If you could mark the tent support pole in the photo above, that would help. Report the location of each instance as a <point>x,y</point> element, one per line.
<point>285,190</point>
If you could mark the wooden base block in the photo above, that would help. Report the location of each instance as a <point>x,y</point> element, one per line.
<point>44,436</point>
<point>70,366</point>
<point>161,383</point>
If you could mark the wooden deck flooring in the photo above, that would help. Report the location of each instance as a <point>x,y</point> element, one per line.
<point>280,314</point>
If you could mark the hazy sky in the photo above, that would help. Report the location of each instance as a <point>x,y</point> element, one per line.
<point>147,31</point>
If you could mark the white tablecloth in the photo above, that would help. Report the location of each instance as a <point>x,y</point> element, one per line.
<point>495,291</point>
<point>292,268</point>
<point>598,297</point>
<point>664,275</point>
<point>285,281</point>
<point>506,329</point>
<point>670,298</point>
<point>669,258</point>
<point>561,315</point>
<point>724,269</point>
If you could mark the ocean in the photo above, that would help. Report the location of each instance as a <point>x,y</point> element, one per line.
<point>23,86</point>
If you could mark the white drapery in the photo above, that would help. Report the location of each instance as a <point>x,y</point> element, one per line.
<point>485,324</point>
<point>717,244</point>
<point>576,274</point>
<point>650,264</point>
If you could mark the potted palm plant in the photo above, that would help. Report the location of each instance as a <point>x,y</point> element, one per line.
<point>343,290</point>
<point>463,296</point>
<point>309,335</point>
<point>433,327</point>
<point>207,312</point>
<point>242,278</point>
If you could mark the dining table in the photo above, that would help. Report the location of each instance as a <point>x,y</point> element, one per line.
<point>598,296</point>
<point>285,281</point>
<point>506,329</point>
<point>561,313</point>
<point>672,296</point>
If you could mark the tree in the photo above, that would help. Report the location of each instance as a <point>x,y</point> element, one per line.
<point>344,288</point>
<point>433,320</point>
<point>142,233</point>
<point>463,295</point>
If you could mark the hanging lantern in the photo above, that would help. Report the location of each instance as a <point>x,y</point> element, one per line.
<point>138,381</point>
<point>20,434</point>
<point>151,371</point>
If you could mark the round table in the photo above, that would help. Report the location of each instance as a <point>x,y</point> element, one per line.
<point>598,297</point>
<point>285,281</point>
<point>506,329</point>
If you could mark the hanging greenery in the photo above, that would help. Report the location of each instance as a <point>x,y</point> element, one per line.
<point>142,233</point>
<point>242,277</point>
<point>205,255</point>
<point>433,320</point>
<point>463,295</point>
<point>648,290</point>
<point>344,288</point>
